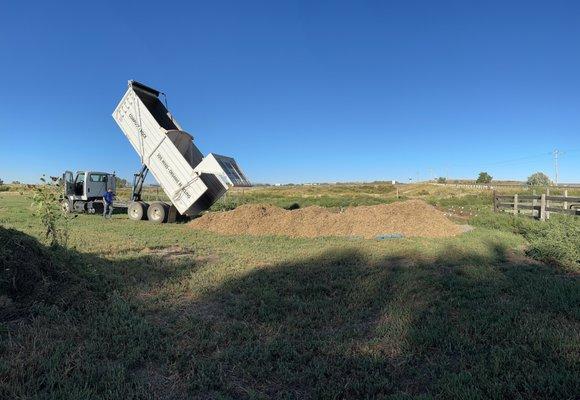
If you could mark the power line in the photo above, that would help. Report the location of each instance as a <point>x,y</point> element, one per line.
<point>518,160</point>
<point>505,162</point>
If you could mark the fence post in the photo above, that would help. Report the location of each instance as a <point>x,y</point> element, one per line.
<point>494,202</point>
<point>547,203</point>
<point>515,204</point>
<point>565,202</point>
<point>534,204</point>
<point>543,207</point>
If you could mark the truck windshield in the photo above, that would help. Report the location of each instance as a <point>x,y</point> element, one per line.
<point>98,177</point>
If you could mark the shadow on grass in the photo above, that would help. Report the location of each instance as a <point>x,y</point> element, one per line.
<point>343,324</point>
<point>70,322</point>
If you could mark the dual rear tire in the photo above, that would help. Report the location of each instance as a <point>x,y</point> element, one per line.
<point>155,212</point>
<point>137,210</point>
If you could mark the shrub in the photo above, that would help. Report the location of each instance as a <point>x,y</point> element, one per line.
<point>539,179</point>
<point>293,206</point>
<point>484,177</point>
<point>47,207</point>
<point>555,241</point>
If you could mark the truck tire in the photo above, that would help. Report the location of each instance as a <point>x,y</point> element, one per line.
<point>79,206</point>
<point>67,206</point>
<point>137,210</point>
<point>157,212</point>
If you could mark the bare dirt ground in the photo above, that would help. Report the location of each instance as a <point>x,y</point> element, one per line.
<point>412,218</point>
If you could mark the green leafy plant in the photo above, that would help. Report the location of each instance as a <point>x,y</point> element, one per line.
<point>46,204</point>
<point>556,241</point>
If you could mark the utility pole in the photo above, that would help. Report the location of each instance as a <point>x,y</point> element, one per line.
<point>556,153</point>
<point>432,174</point>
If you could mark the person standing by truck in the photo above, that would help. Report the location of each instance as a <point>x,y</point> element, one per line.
<point>108,198</point>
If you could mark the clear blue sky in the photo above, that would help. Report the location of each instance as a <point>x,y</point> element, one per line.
<point>298,91</point>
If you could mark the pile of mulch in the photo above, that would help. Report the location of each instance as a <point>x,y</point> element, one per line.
<point>32,273</point>
<point>26,265</point>
<point>412,218</point>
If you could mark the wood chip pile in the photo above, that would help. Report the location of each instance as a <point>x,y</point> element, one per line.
<point>412,218</point>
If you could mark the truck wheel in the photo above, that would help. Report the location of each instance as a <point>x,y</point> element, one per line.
<point>79,206</point>
<point>137,210</point>
<point>66,206</point>
<point>157,212</point>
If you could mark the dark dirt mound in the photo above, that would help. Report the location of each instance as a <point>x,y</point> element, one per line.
<point>26,265</point>
<point>30,273</point>
<point>412,218</point>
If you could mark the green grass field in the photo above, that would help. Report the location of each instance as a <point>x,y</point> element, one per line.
<point>134,310</point>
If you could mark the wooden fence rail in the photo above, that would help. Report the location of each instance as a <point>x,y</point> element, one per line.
<point>539,206</point>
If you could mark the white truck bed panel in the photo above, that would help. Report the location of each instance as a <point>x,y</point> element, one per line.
<point>165,162</point>
<point>192,184</point>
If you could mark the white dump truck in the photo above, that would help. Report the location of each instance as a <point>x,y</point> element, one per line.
<point>191,181</point>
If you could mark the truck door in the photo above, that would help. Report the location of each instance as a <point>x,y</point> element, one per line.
<point>96,184</point>
<point>111,183</point>
<point>68,184</point>
<point>80,184</point>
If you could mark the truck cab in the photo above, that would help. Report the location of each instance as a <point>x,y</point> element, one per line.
<point>83,189</point>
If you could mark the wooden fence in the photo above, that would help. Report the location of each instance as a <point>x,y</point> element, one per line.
<point>537,206</point>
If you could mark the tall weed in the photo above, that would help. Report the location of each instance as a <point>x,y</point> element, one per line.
<point>555,241</point>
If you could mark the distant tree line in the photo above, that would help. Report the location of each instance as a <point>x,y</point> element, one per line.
<point>536,179</point>
<point>121,183</point>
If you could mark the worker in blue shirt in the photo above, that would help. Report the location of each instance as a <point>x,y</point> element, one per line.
<point>108,198</point>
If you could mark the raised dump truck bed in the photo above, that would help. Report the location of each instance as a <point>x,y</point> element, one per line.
<point>192,182</point>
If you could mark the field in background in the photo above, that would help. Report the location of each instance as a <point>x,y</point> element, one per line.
<point>448,197</point>
<point>136,310</point>
<point>460,201</point>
